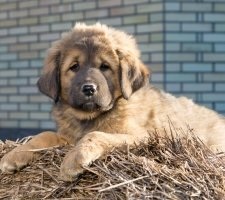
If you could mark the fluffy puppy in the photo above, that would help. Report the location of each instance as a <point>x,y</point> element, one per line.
<point>103,100</point>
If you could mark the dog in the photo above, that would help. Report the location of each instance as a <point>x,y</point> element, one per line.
<point>103,99</point>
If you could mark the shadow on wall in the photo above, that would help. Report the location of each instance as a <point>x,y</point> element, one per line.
<point>14,134</point>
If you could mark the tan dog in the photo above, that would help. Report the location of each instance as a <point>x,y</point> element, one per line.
<point>103,100</point>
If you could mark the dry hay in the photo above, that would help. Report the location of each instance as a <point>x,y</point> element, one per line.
<point>166,168</point>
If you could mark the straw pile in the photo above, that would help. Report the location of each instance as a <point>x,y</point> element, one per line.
<point>165,168</point>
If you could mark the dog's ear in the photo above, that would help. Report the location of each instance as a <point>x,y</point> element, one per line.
<point>49,82</point>
<point>133,75</point>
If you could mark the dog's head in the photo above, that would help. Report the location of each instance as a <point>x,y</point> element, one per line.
<point>91,67</point>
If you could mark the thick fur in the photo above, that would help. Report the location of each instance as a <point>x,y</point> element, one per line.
<point>124,108</point>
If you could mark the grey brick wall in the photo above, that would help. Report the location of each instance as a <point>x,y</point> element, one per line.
<point>182,41</point>
<point>195,51</point>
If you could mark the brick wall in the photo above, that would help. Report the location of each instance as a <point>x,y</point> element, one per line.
<point>195,51</point>
<point>183,41</point>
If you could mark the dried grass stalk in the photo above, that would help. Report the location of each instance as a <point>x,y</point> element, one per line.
<point>165,168</point>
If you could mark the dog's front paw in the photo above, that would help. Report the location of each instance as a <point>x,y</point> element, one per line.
<point>15,160</point>
<point>78,159</point>
<point>72,165</point>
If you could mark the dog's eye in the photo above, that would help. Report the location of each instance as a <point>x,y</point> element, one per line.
<point>75,67</point>
<point>104,67</point>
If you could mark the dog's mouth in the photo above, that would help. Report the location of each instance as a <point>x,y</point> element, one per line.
<point>91,103</point>
<point>90,107</point>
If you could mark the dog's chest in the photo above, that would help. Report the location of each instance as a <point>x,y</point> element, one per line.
<point>108,124</point>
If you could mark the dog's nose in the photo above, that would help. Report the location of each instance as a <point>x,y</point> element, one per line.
<point>89,89</point>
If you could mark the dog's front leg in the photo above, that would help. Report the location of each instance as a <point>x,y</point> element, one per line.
<point>91,147</point>
<point>24,154</point>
